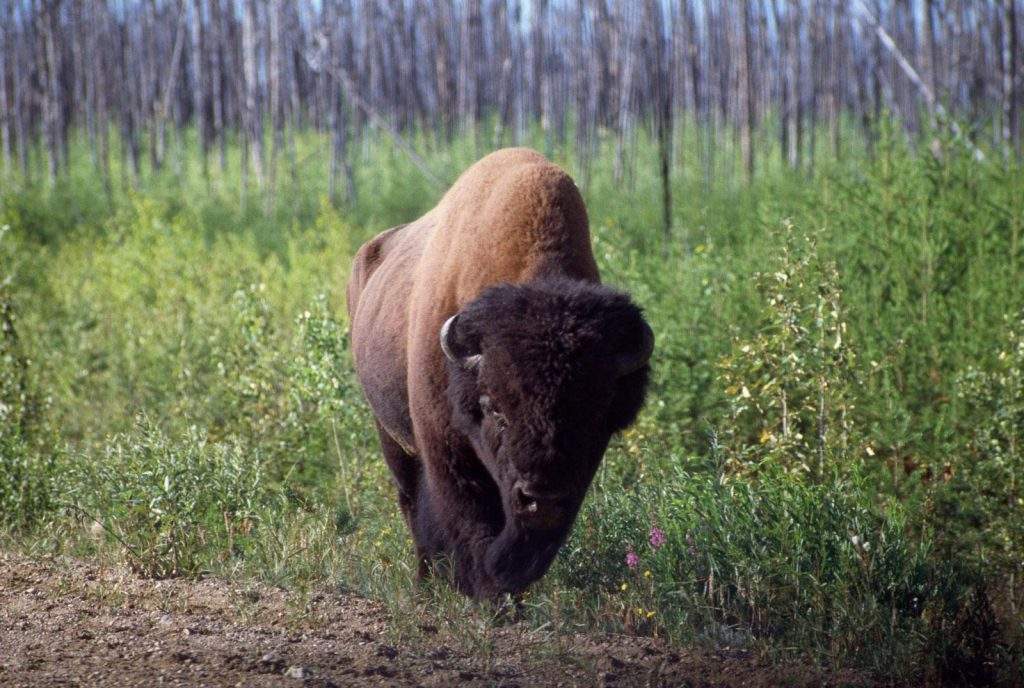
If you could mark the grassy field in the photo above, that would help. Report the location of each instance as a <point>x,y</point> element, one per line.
<point>829,466</point>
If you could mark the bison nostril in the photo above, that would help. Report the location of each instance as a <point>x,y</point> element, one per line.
<point>524,500</point>
<point>533,504</point>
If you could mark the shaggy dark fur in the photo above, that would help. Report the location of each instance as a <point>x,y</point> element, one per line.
<point>537,407</point>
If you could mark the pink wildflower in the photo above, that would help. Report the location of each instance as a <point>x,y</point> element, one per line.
<point>657,537</point>
<point>632,559</point>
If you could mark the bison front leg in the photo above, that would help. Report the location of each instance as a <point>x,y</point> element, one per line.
<point>407,472</point>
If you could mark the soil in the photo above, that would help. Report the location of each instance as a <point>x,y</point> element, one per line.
<point>71,623</point>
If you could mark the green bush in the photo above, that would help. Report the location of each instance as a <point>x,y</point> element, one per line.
<point>174,506</point>
<point>983,492</point>
<point>791,386</point>
<point>27,455</point>
<point>817,567</point>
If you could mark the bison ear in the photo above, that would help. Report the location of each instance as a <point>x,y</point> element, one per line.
<point>455,345</point>
<point>639,353</point>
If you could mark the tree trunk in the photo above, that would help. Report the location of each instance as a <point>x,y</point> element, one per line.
<point>539,69</point>
<point>274,82</point>
<point>216,82</point>
<point>253,125</point>
<point>795,126</point>
<point>1011,53</point>
<point>5,106</point>
<point>198,83</point>
<point>163,105</point>
<point>625,48</point>
<point>660,56</point>
<point>444,83</point>
<point>747,113</point>
<point>98,28</point>
<point>48,59</point>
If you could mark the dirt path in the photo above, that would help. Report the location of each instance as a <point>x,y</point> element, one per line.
<point>69,623</point>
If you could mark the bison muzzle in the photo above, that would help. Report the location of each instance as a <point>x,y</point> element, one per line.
<point>497,367</point>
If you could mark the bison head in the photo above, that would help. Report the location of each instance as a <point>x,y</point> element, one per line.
<point>541,375</point>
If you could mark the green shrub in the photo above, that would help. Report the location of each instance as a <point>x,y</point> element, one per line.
<point>27,455</point>
<point>174,506</point>
<point>791,386</point>
<point>982,493</point>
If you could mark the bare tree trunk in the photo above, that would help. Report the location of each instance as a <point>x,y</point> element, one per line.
<point>253,124</point>
<point>503,57</point>
<point>338,121</point>
<point>15,42</point>
<point>198,83</point>
<point>661,58</point>
<point>786,107</point>
<point>47,57</point>
<point>130,111</point>
<point>747,114</point>
<point>539,69</point>
<point>837,47</point>
<point>519,104</point>
<point>444,83</point>
<point>624,47</point>
<point>1011,53</point>
<point>82,86</point>
<point>931,46</point>
<point>693,52</point>
<point>5,106</point>
<point>876,77</point>
<point>216,82</point>
<point>147,47</point>
<point>582,91</point>
<point>274,79</point>
<point>98,28</point>
<point>793,83</point>
<point>163,105</point>
<point>469,55</point>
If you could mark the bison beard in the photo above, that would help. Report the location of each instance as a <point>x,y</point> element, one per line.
<point>498,368</point>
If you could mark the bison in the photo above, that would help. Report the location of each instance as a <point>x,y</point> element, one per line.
<point>497,367</point>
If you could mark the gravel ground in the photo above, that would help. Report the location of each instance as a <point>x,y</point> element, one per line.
<point>72,623</point>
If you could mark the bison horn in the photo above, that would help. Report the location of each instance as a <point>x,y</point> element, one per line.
<point>633,361</point>
<point>453,349</point>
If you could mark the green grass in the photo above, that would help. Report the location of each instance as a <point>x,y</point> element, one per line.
<point>833,444</point>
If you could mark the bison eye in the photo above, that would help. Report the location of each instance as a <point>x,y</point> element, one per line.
<point>487,406</point>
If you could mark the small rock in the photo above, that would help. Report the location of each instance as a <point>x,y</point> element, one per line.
<point>296,672</point>
<point>387,651</point>
<point>270,663</point>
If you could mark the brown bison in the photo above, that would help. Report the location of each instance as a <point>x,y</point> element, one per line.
<point>497,367</point>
